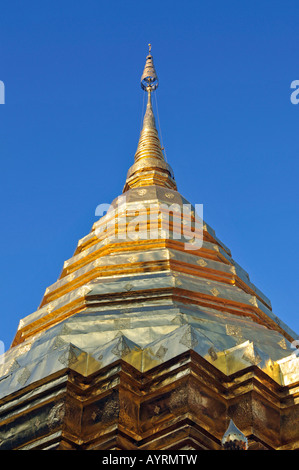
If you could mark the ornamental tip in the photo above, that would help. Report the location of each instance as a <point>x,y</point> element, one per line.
<point>149,79</point>
<point>233,438</point>
<point>150,167</point>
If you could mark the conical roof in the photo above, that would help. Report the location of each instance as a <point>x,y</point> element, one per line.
<point>139,289</point>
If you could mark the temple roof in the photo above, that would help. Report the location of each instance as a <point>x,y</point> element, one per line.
<point>146,299</point>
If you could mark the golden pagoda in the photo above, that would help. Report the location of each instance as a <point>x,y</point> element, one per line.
<point>152,338</point>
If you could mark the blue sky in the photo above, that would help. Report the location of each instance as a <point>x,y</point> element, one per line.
<point>70,125</point>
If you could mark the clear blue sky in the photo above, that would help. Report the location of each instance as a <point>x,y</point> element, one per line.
<point>71,121</point>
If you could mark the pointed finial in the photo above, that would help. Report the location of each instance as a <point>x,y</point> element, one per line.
<point>234,439</point>
<point>149,79</point>
<point>150,167</point>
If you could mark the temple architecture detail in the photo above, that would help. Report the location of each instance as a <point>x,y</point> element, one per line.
<point>148,341</point>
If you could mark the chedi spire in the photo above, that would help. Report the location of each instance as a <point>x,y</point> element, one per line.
<point>150,167</point>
